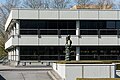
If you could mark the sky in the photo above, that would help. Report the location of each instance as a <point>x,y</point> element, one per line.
<point>1,1</point>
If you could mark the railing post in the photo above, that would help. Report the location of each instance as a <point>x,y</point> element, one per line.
<point>59,32</point>
<point>118,33</point>
<point>99,36</point>
<point>39,36</point>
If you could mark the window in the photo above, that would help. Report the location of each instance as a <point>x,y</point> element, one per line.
<point>110,25</point>
<point>118,24</point>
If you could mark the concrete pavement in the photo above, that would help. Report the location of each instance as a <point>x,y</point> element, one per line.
<point>24,73</point>
<point>23,68</point>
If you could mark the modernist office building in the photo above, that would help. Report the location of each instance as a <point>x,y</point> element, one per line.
<point>41,34</point>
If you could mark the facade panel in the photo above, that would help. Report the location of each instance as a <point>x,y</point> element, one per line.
<point>108,15</point>
<point>108,40</point>
<point>28,40</point>
<point>88,40</point>
<point>68,14</point>
<point>49,14</point>
<point>88,15</point>
<point>48,40</point>
<point>28,14</point>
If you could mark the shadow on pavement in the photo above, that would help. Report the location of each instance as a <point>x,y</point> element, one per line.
<point>2,78</point>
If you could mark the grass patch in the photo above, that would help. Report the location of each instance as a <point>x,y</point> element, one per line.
<point>90,62</point>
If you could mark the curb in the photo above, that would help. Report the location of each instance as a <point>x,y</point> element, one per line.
<point>54,75</point>
<point>25,69</point>
<point>51,75</point>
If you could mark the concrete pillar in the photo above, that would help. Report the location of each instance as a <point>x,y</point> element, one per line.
<point>9,55</point>
<point>12,55</point>
<point>14,30</point>
<point>77,28</point>
<point>77,33</point>
<point>77,53</point>
<point>17,53</point>
<point>17,27</point>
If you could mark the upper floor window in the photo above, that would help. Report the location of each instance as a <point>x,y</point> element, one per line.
<point>47,24</point>
<point>110,24</point>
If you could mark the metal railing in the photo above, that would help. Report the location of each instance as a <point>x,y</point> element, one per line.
<point>44,57</point>
<point>69,31</point>
<point>48,31</point>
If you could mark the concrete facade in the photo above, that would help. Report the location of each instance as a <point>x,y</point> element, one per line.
<point>16,40</point>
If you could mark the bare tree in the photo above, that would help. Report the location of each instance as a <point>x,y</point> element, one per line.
<point>36,4</point>
<point>83,3</point>
<point>5,9</point>
<point>105,4</point>
<point>59,4</point>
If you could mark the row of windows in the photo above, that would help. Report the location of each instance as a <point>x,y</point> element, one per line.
<point>69,32</point>
<point>58,53</point>
<point>98,24</point>
<point>47,24</point>
<point>69,24</point>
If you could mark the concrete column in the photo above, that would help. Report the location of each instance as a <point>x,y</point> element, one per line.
<point>17,28</point>
<point>77,27</point>
<point>9,55</point>
<point>77,33</point>
<point>17,53</point>
<point>14,30</point>
<point>11,32</point>
<point>12,52</point>
<point>77,53</point>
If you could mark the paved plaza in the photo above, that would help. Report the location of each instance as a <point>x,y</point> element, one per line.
<point>24,73</point>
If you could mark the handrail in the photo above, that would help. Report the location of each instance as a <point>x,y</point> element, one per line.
<point>68,31</point>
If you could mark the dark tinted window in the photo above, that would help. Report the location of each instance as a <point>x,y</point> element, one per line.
<point>29,24</point>
<point>118,24</point>
<point>47,24</point>
<point>110,24</point>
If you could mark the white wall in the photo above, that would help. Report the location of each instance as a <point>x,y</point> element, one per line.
<point>54,40</point>
<point>73,71</point>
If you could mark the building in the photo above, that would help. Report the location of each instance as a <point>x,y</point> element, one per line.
<point>91,6</point>
<point>41,34</point>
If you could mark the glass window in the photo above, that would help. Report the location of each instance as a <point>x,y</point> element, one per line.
<point>71,24</point>
<point>118,24</point>
<point>42,24</point>
<point>28,24</point>
<point>52,24</point>
<point>88,24</point>
<point>110,25</point>
<point>62,24</point>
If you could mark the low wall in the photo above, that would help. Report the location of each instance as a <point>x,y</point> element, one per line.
<point>73,71</point>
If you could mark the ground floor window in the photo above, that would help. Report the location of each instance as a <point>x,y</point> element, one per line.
<point>44,53</point>
<point>58,53</point>
<point>99,53</point>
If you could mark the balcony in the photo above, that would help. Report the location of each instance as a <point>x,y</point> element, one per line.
<point>57,37</point>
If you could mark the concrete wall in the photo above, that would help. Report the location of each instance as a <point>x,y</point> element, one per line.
<point>67,14</point>
<point>72,71</point>
<point>54,40</point>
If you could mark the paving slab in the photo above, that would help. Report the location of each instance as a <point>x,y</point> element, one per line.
<point>24,75</point>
